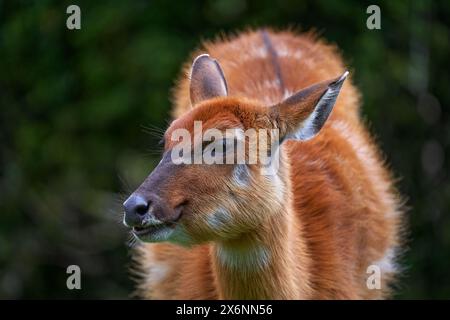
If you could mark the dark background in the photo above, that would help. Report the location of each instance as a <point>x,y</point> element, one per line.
<point>75,106</point>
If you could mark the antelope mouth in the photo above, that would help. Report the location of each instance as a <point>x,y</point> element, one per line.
<point>154,228</point>
<point>157,231</point>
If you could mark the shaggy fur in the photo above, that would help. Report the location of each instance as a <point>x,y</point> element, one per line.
<point>309,232</point>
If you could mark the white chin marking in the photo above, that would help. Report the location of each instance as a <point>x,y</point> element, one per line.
<point>159,235</point>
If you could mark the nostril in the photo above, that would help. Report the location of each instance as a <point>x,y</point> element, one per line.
<point>135,207</point>
<point>141,209</point>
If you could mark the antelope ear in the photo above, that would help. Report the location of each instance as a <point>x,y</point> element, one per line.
<point>207,80</point>
<point>302,115</point>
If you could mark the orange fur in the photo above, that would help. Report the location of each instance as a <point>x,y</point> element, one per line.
<point>314,229</point>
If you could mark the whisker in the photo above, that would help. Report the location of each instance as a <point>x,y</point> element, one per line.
<point>154,152</point>
<point>153,131</point>
<point>131,242</point>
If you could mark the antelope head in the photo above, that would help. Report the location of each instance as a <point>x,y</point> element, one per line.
<point>222,173</point>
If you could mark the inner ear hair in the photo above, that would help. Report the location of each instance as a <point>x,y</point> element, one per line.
<point>302,115</point>
<point>207,79</point>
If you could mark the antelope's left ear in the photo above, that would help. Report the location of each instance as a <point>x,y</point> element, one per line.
<point>302,115</point>
<point>207,79</point>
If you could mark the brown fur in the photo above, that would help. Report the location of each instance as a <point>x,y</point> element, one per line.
<point>338,211</point>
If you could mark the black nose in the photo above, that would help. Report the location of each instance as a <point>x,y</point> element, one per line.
<point>136,208</point>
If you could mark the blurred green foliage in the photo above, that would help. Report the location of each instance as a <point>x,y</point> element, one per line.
<point>75,104</point>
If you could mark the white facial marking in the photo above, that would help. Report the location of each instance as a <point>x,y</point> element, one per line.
<point>241,176</point>
<point>219,219</point>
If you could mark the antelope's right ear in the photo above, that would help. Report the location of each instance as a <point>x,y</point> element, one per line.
<point>302,115</point>
<point>207,80</point>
